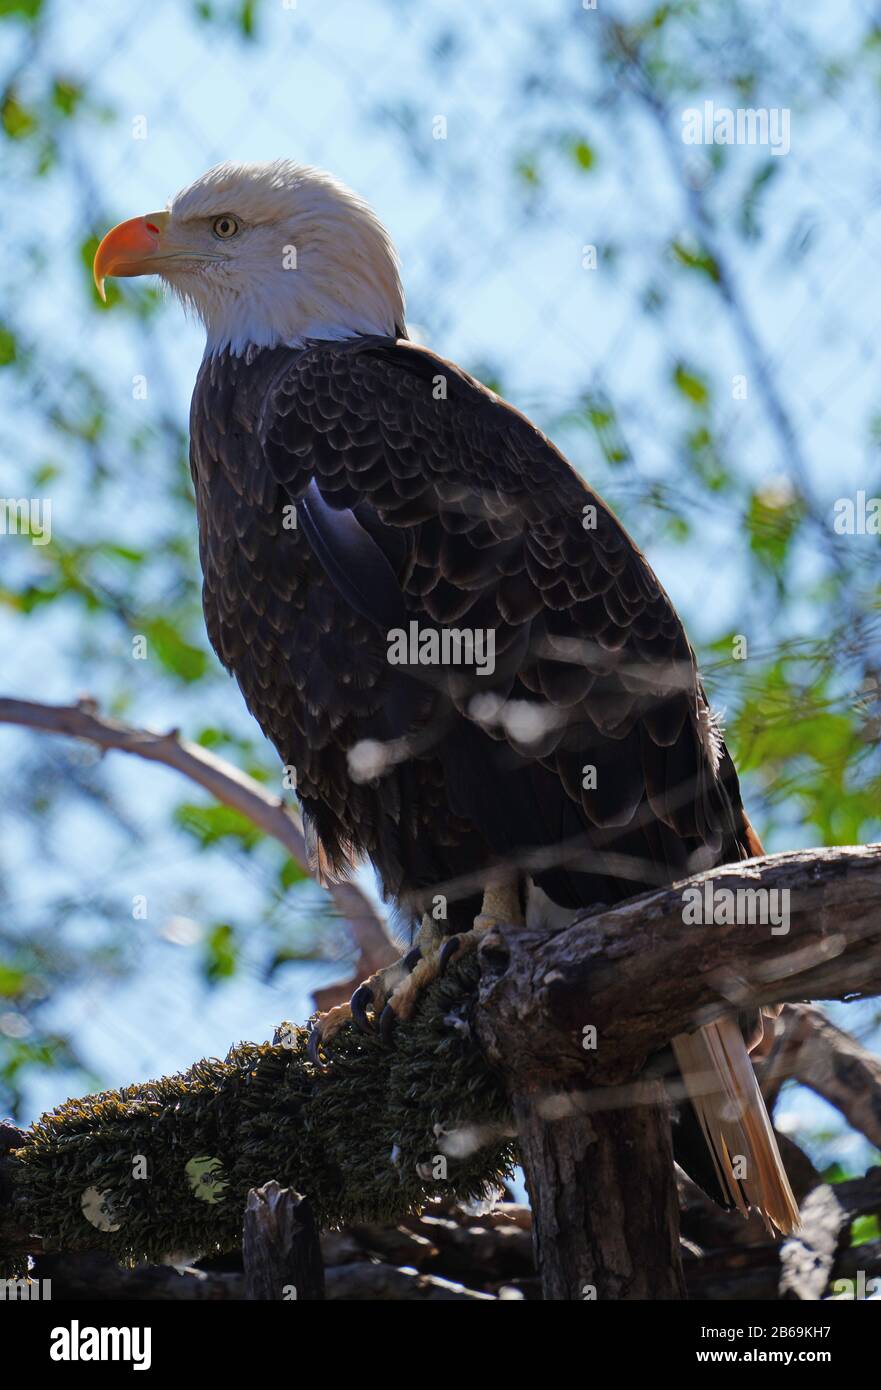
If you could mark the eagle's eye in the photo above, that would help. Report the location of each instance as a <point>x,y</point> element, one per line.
<point>225,227</point>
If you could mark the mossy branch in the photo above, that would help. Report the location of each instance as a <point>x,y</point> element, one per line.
<point>165,1167</point>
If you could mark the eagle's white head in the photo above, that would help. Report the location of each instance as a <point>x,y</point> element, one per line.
<point>266,254</point>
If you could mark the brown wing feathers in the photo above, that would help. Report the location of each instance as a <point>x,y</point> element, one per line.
<point>499,540</point>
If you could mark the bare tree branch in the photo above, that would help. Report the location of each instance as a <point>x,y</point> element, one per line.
<point>812,1050</point>
<point>228,785</point>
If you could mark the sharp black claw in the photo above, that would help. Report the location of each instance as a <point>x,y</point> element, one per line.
<point>358,1004</point>
<point>412,959</point>
<point>314,1045</point>
<point>388,1021</point>
<point>448,951</point>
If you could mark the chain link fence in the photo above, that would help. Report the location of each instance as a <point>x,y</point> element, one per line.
<point>695,321</point>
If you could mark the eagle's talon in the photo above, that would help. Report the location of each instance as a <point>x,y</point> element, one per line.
<point>325,1027</point>
<point>448,952</point>
<point>412,958</point>
<point>313,1047</point>
<point>388,1021</point>
<point>358,1003</point>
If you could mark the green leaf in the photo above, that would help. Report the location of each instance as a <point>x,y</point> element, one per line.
<point>291,874</point>
<point>66,97</point>
<point>20,9</point>
<point>772,519</point>
<point>45,474</point>
<point>599,414</point>
<point>691,385</point>
<point>210,737</point>
<point>213,823</point>
<point>247,16</point>
<point>178,656</point>
<point>122,552</point>
<point>836,1172</point>
<point>695,258</point>
<point>220,953</point>
<point>12,981</point>
<point>17,121</point>
<point>583,154</point>
<point>865,1228</point>
<point>8,347</point>
<point>704,460</point>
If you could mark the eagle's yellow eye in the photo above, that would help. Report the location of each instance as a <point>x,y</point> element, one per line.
<point>225,227</point>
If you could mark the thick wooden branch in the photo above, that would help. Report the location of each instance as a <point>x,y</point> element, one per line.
<point>603,1196</point>
<point>228,785</point>
<point>641,973</point>
<point>462,1257</point>
<point>95,1277</point>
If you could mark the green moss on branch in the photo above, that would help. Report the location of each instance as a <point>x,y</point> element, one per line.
<point>377,1134</point>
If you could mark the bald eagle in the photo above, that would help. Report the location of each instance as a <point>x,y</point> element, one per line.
<point>480,682</point>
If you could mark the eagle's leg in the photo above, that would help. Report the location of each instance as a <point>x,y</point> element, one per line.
<point>501,903</point>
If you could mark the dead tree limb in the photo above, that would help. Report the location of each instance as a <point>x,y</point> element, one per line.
<point>811,1050</point>
<point>642,972</point>
<point>228,785</point>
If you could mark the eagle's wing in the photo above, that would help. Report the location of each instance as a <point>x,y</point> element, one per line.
<point>414,483</point>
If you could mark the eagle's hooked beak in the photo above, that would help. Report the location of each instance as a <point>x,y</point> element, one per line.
<point>132,248</point>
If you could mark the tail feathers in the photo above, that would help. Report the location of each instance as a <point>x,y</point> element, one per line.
<point>724,1092</point>
<point>326,869</point>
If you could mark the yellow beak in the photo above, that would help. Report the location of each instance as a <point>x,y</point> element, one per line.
<point>132,248</point>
